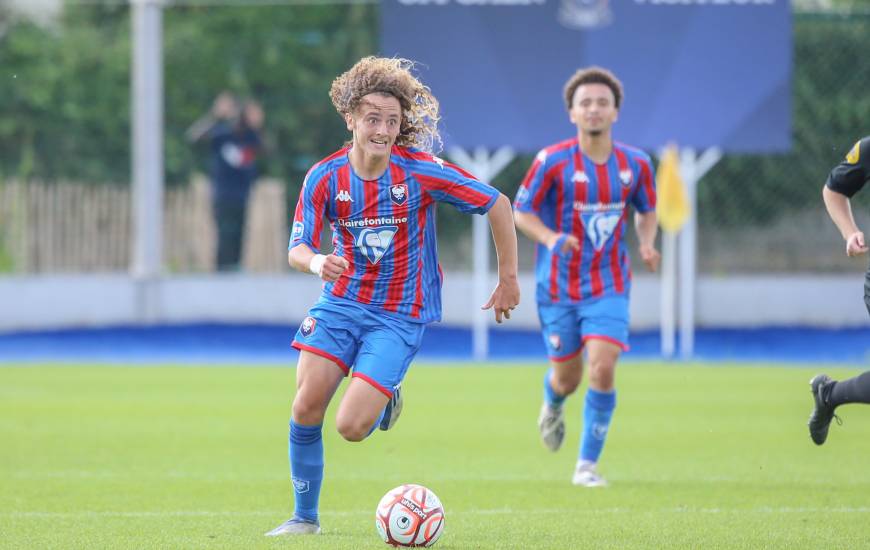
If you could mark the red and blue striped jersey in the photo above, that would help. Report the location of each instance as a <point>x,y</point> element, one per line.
<point>573,195</point>
<point>385,228</point>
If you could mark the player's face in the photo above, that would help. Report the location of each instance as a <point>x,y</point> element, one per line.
<point>375,124</point>
<point>593,109</point>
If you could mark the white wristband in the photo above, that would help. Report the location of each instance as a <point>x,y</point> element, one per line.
<point>316,264</point>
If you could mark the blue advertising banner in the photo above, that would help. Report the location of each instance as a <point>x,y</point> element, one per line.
<point>698,72</point>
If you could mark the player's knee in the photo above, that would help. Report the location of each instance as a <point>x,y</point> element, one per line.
<point>352,429</point>
<point>566,385</point>
<point>566,375</point>
<point>307,411</point>
<point>601,373</point>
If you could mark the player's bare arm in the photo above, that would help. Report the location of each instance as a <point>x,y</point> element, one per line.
<point>840,209</point>
<point>328,267</point>
<point>533,228</point>
<point>646,226</point>
<point>506,295</point>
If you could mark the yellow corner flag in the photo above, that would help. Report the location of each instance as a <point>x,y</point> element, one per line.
<point>673,204</point>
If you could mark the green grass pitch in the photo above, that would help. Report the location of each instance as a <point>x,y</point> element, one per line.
<point>699,456</point>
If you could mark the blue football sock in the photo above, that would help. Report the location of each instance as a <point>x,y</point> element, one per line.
<point>306,468</point>
<point>596,421</point>
<point>550,396</point>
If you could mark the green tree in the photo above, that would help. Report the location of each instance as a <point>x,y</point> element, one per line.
<point>66,111</point>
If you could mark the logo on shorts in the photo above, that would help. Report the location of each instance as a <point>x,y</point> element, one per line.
<point>308,326</point>
<point>399,193</point>
<point>301,485</point>
<point>555,341</point>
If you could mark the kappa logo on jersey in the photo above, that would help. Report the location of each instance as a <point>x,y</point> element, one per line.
<point>399,193</point>
<point>373,242</point>
<point>855,154</point>
<point>600,226</point>
<point>438,161</point>
<point>308,326</point>
<point>343,196</point>
<point>541,156</point>
<point>625,177</point>
<point>580,177</point>
<point>298,229</point>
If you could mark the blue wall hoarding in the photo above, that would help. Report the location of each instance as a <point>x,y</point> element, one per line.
<point>698,72</point>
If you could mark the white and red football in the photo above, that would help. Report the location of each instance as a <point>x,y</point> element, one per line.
<point>410,516</point>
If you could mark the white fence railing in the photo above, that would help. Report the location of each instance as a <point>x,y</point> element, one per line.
<point>79,228</point>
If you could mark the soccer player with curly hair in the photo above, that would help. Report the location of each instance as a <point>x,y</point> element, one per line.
<point>382,281</point>
<point>574,202</point>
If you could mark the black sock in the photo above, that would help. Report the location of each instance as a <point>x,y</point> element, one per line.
<point>853,390</point>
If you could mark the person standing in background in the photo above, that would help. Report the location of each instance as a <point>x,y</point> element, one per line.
<point>233,130</point>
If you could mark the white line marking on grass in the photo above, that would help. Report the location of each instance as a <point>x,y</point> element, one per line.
<point>472,512</point>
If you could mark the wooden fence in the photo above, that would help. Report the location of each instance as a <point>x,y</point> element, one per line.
<point>72,227</point>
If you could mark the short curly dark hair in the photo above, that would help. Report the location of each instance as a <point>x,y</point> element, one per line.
<point>393,77</point>
<point>593,75</point>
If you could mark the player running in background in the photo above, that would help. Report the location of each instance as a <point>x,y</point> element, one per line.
<point>846,179</point>
<point>382,280</point>
<point>574,202</point>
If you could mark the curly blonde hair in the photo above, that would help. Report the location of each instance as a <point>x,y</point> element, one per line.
<point>392,76</point>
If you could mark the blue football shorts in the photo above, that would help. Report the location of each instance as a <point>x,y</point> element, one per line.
<point>363,343</point>
<point>566,327</point>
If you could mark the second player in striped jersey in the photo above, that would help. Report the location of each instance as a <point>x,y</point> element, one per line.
<point>574,203</point>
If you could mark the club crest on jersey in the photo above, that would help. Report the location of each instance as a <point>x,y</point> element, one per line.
<point>555,341</point>
<point>399,193</point>
<point>373,242</point>
<point>580,177</point>
<point>308,326</point>
<point>600,227</point>
<point>625,177</point>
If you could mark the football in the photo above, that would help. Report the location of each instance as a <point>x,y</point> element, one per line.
<point>410,516</point>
